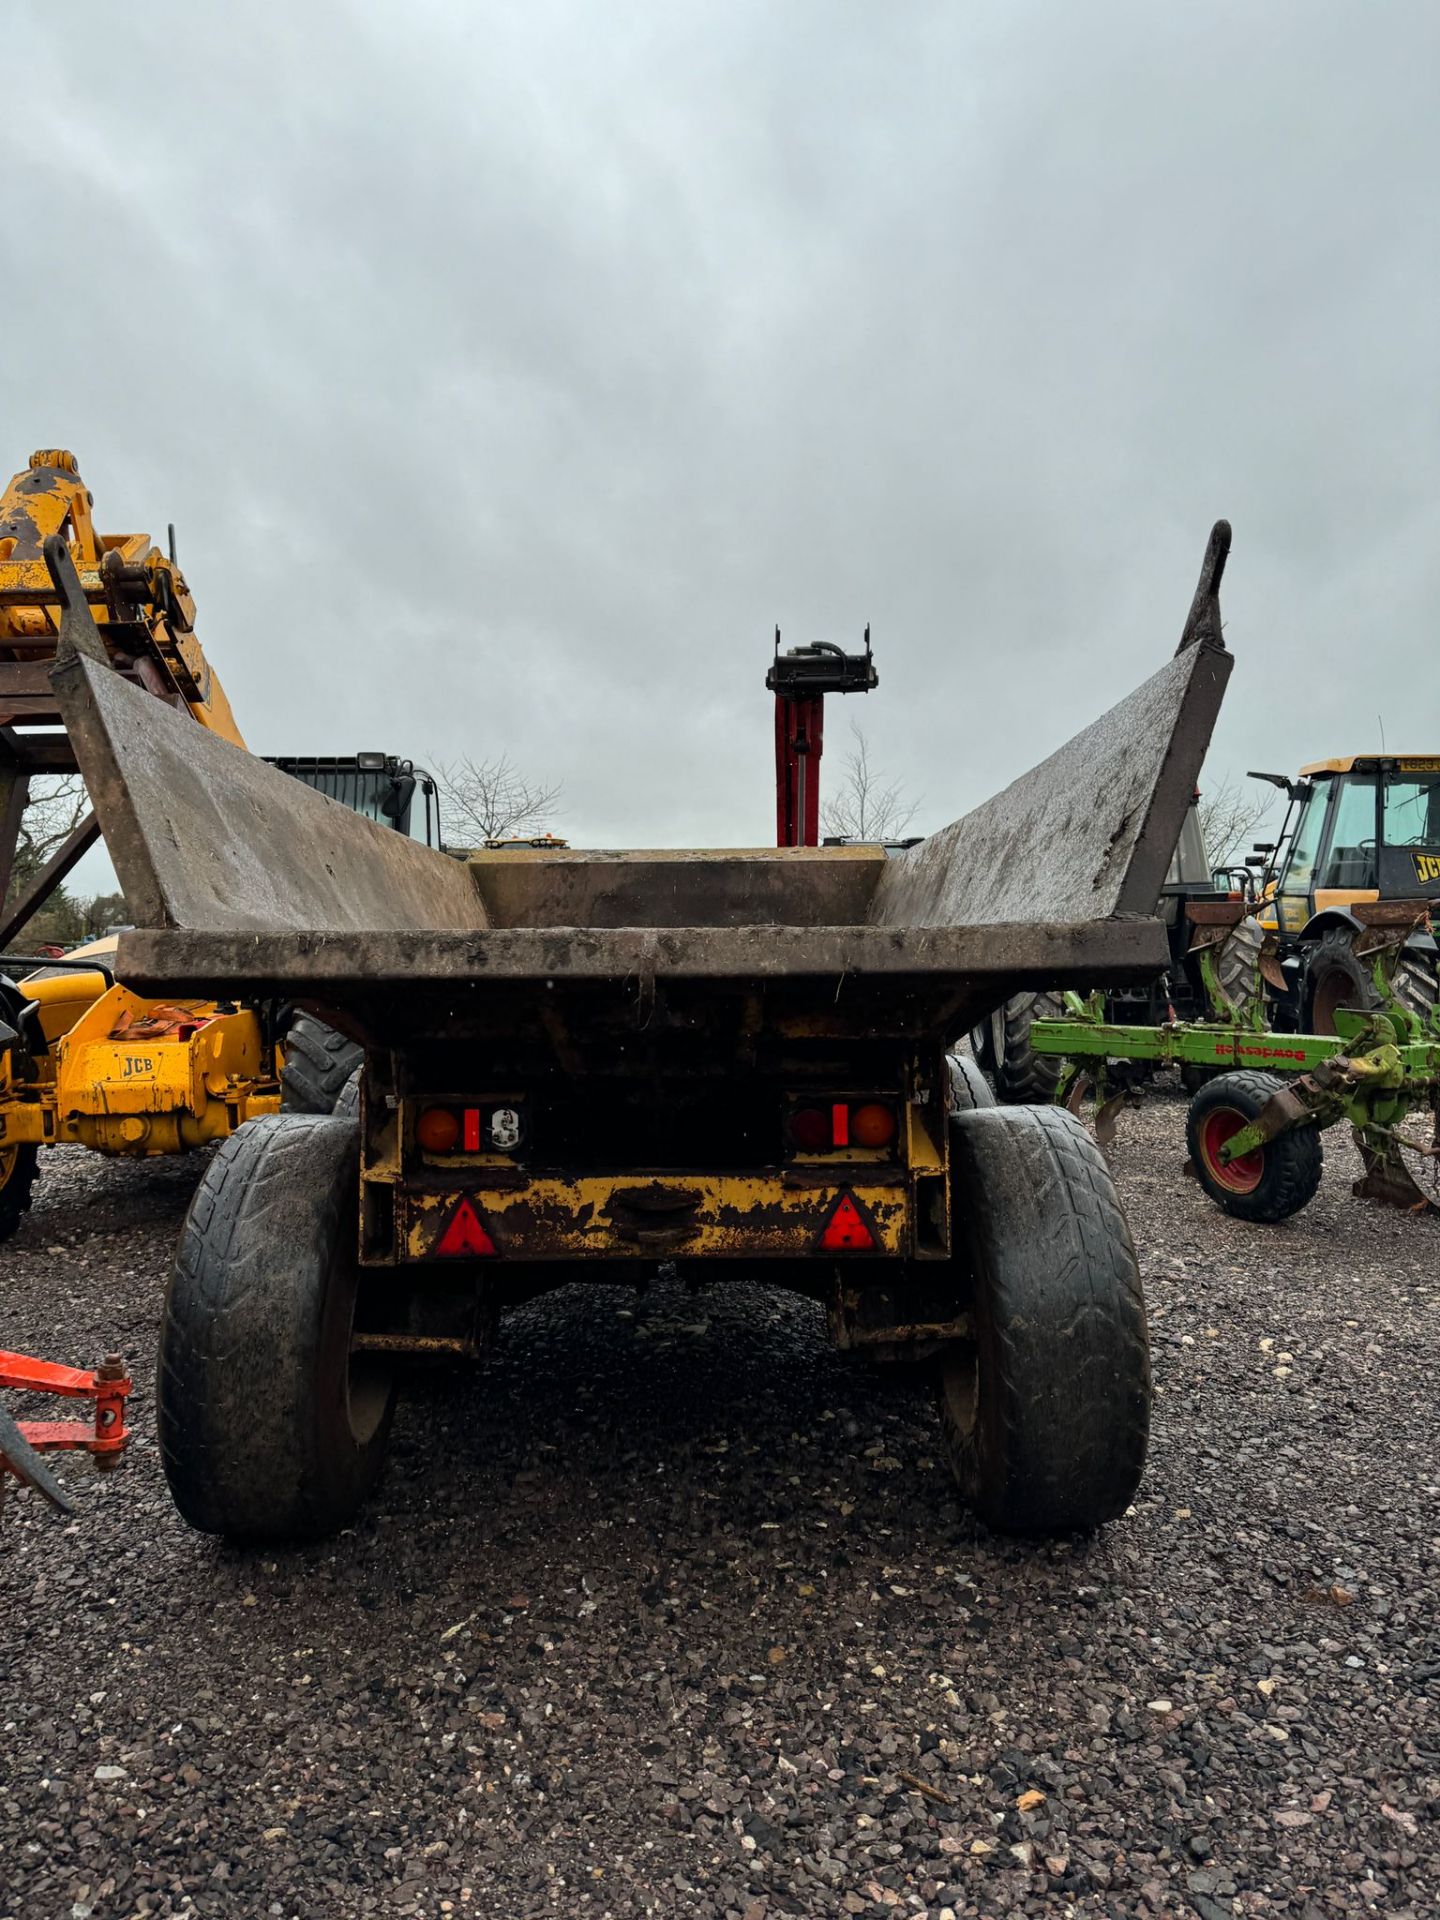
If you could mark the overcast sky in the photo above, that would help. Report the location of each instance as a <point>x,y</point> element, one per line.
<point>510,371</point>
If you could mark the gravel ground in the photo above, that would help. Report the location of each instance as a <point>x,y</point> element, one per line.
<point>669,1610</point>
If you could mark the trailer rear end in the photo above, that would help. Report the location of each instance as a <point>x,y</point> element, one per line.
<point>584,1065</point>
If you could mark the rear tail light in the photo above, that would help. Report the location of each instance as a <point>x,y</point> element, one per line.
<point>437,1130</point>
<point>842,1123</point>
<point>872,1125</point>
<point>469,1129</point>
<point>810,1129</point>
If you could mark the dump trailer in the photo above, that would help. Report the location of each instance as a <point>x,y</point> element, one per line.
<point>585,1065</point>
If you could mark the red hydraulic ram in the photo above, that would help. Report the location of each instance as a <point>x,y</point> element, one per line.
<point>800,681</point>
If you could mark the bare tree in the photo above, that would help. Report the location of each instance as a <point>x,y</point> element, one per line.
<point>491,800</point>
<point>865,806</point>
<point>1228,816</point>
<point>56,806</point>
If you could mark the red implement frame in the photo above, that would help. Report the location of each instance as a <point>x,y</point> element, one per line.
<point>21,1440</point>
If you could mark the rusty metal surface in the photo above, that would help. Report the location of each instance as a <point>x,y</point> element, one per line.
<point>1217,916</point>
<point>203,834</point>
<point>612,1216</point>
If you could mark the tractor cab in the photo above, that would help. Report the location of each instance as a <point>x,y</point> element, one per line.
<point>1362,828</point>
<point>1359,828</point>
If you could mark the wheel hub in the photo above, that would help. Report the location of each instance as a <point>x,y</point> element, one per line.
<point>1217,1129</point>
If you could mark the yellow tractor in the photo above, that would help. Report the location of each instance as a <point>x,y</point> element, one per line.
<point>82,1059</point>
<point>1360,828</point>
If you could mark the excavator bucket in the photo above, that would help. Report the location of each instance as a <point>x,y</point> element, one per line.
<point>246,882</point>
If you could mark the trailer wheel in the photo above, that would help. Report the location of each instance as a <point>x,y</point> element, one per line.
<point>19,1170</point>
<point>1271,1183</point>
<point>969,1088</point>
<point>1022,1076</point>
<point>268,1426</point>
<point>319,1062</point>
<point>1045,1413</point>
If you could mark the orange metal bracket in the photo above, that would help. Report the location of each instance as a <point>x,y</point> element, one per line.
<point>107,1386</point>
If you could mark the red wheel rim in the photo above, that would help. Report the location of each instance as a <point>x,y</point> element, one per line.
<point>1236,1176</point>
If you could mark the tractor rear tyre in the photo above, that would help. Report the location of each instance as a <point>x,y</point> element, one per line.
<point>1336,976</point>
<point>969,1088</point>
<point>1271,1183</point>
<point>982,1039</point>
<point>269,1427</point>
<point>1022,1076</point>
<point>319,1063</point>
<point>1045,1412</point>
<point>19,1170</point>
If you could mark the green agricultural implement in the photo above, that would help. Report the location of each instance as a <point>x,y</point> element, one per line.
<point>1263,1099</point>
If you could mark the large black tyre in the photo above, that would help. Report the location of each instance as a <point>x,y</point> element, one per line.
<point>347,1101</point>
<point>1022,1076</point>
<point>1271,1183</point>
<point>1238,963</point>
<point>269,1429</point>
<point>1336,976</point>
<point>982,1039</point>
<point>1046,1412</point>
<point>319,1063</point>
<point>969,1088</point>
<point>19,1170</point>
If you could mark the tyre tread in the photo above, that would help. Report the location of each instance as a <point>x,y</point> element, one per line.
<point>1071,1386</point>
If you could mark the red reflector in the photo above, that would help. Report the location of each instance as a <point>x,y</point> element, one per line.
<point>472,1129</point>
<point>465,1237</point>
<point>839,1125</point>
<point>845,1230</point>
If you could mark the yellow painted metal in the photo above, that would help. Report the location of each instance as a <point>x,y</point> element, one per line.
<point>115,1077</point>
<point>714,1216</point>
<point>1348,762</point>
<point>1326,897</point>
<point>62,998</point>
<point>128,1077</point>
<point>50,498</point>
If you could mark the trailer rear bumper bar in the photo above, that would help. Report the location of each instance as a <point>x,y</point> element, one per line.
<point>844,1214</point>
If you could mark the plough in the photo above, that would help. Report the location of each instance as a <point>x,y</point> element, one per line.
<point>1264,1098</point>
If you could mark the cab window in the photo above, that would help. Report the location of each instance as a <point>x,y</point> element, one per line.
<point>1300,866</point>
<point>1350,858</point>
<point>1412,810</point>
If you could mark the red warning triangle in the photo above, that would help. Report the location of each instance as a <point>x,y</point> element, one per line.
<point>846,1230</point>
<point>465,1237</point>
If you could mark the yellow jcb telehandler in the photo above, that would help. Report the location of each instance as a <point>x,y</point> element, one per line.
<point>82,1059</point>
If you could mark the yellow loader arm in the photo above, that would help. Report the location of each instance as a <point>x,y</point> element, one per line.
<point>145,615</point>
<point>137,595</point>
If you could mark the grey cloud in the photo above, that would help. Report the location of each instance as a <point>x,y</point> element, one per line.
<point>510,371</point>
